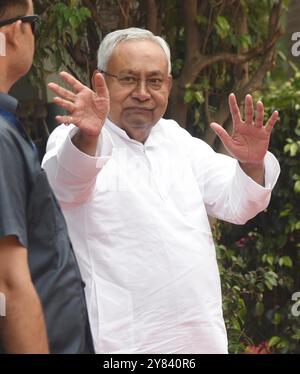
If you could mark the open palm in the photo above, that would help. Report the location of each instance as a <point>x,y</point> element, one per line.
<point>249,141</point>
<point>88,109</point>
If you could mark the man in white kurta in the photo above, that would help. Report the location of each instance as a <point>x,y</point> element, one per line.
<point>137,211</point>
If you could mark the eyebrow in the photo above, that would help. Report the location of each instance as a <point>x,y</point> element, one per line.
<point>151,73</point>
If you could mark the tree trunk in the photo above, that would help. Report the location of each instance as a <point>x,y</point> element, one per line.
<point>177,109</point>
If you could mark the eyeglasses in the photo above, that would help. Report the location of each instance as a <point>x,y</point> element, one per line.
<point>33,19</point>
<point>131,81</point>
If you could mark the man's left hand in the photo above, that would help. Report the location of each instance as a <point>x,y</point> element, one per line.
<point>249,141</point>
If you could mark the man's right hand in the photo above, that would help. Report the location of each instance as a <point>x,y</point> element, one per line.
<point>88,109</point>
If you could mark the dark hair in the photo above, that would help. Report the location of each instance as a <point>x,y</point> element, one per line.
<point>13,8</point>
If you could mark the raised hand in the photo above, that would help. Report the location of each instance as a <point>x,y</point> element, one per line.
<point>88,109</point>
<point>249,141</point>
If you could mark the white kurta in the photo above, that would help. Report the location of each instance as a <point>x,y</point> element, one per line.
<point>137,217</point>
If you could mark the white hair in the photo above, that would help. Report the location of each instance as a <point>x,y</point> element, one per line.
<point>112,39</point>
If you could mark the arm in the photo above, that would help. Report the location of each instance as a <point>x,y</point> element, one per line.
<point>74,158</point>
<point>228,192</point>
<point>232,195</point>
<point>72,173</point>
<point>255,171</point>
<point>23,329</point>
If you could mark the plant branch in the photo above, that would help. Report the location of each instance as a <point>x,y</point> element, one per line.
<point>192,35</point>
<point>93,9</point>
<point>254,84</point>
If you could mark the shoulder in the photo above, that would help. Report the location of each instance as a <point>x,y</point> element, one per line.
<point>15,153</point>
<point>8,137</point>
<point>171,127</point>
<point>4,129</point>
<point>173,131</point>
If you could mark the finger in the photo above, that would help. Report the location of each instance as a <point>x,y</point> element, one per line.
<point>64,104</point>
<point>222,134</point>
<point>66,94</point>
<point>67,120</point>
<point>249,111</point>
<point>271,122</point>
<point>259,118</point>
<point>78,86</point>
<point>100,86</point>
<point>234,109</point>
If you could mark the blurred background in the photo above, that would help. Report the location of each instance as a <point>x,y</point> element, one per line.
<point>218,47</point>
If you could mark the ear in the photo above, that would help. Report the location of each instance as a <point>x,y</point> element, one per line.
<point>11,34</point>
<point>170,82</point>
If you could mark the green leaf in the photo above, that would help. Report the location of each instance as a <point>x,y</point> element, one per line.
<point>294,149</point>
<point>269,259</point>
<point>276,319</point>
<point>269,285</point>
<point>236,325</point>
<point>222,27</point>
<point>244,40</point>
<point>296,336</point>
<point>270,279</point>
<point>286,148</point>
<point>274,341</point>
<point>199,97</point>
<point>285,261</point>
<point>201,20</point>
<point>285,213</point>
<point>259,309</point>
<point>188,96</point>
<point>73,21</point>
<point>297,187</point>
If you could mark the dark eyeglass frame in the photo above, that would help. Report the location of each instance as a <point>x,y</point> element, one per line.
<point>109,74</point>
<point>32,19</point>
<point>156,87</point>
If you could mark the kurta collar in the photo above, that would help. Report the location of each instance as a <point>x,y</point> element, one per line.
<point>153,139</point>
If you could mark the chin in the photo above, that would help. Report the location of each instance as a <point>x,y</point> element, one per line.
<point>139,133</point>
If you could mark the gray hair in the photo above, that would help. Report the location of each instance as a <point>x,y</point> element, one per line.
<point>112,39</point>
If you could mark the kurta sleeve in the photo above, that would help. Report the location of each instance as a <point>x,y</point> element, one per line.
<point>72,174</point>
<point>228,193</point>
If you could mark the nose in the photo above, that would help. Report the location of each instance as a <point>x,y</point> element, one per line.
<point>140,91</point>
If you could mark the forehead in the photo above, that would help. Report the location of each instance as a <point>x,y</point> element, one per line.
<point>30,6</point>
<point>15,10</point>
<point>138,55</point>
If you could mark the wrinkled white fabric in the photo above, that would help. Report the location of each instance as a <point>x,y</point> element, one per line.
<point>137,217</point>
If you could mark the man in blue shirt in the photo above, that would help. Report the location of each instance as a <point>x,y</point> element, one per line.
<point>39,276</point>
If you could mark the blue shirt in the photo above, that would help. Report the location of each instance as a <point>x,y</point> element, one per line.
<point>30,212</point>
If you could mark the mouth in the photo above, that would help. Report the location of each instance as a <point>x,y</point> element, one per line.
<point>139,109</point>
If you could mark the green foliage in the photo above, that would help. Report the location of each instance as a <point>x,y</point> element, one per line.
<point>62,27</point>
<point>222,27</point>
<point>259,262</point>
<point>219,25</point>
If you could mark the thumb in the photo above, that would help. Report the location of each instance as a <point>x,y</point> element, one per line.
<point>100,86</point>
<point>222,134</point>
